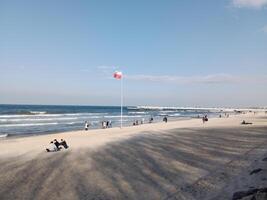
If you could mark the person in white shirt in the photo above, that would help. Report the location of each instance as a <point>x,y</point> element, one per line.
<point>142,121</point>
<point>52,147</point>
<point>86,126</point>
<point>110,124</point>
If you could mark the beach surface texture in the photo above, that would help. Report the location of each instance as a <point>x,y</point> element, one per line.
<point>220,159</point>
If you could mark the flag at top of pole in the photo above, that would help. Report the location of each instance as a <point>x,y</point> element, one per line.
<point>118,75</point>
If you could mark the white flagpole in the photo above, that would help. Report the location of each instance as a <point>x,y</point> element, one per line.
<point>121,99</point>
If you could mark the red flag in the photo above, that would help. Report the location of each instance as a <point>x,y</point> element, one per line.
<point>117,75</point>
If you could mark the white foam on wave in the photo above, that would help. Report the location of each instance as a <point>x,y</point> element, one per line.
<point>174,108</point>
<point>167,111</point>
<point>137,112</point>
<point>124,116</point>
<point>175,115</point>
<point>3,135</point>
<point>52,115</point>
<point>70,123</point>
<point>38,119</point>
<point>37,112</point>
<point>22,125</point>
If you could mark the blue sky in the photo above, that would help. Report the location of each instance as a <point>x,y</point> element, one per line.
<point>172,53</point>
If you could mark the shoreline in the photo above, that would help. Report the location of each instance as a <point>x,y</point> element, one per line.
<point>12,146</point>
<point>91,129</point>
<point>42,119</point>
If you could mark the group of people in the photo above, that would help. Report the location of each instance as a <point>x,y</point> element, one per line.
<point>57,146</point>
<point>106,124</point>
<point>136,122</point>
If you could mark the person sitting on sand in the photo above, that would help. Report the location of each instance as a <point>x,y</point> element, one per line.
<point>52,147</point>
<point>57,144</point>
<point>64,144</point>
<point>245,123</point>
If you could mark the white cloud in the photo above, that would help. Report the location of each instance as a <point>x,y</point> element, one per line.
<point>208,79</point>
<point>249,3</point>
<point>264,29</point>
<point>106,69</point>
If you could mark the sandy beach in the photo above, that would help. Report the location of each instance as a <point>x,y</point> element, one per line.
<point>176,160</point>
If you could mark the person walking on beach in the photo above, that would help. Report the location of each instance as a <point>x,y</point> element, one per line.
<point>86,126</point>
<point>203,119</point>
<point>142,121</point>
<point>165,119</point>
<point>109,124</point>
<point>104,124</point>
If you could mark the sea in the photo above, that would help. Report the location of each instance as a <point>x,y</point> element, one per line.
<point>25,120</point>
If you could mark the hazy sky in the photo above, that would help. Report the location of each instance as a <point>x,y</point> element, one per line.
<point>172,53</point>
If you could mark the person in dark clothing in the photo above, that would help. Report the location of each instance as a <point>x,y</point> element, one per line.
<point>64,144</point>
<point>165,119</point>
<point>57,144</point>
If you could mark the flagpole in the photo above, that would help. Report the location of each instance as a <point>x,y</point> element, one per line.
<point>121,99</point>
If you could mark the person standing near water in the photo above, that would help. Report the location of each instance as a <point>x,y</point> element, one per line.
<point>165,119</point>
<point>86,126</point>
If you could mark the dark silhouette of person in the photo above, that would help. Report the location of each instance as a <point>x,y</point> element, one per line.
<point>165,119</point>
<point>64,144</point>
<point>57,144</point>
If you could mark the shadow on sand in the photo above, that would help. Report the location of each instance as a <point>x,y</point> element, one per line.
<point>152,166</point>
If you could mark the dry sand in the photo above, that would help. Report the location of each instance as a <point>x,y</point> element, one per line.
<point>177,160</point>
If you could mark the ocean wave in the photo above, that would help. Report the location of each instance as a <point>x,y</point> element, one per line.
<point>3,135</point>
<point>140,112</point>
<point>22,125</point>
<point>50,115</point>
<point>167,111</point>
<point>124,116</point>
<point>156,108</point>
<point>38,119</point>
<point>175,115</point>
<point>71,123</point>
<point>37,112</point>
